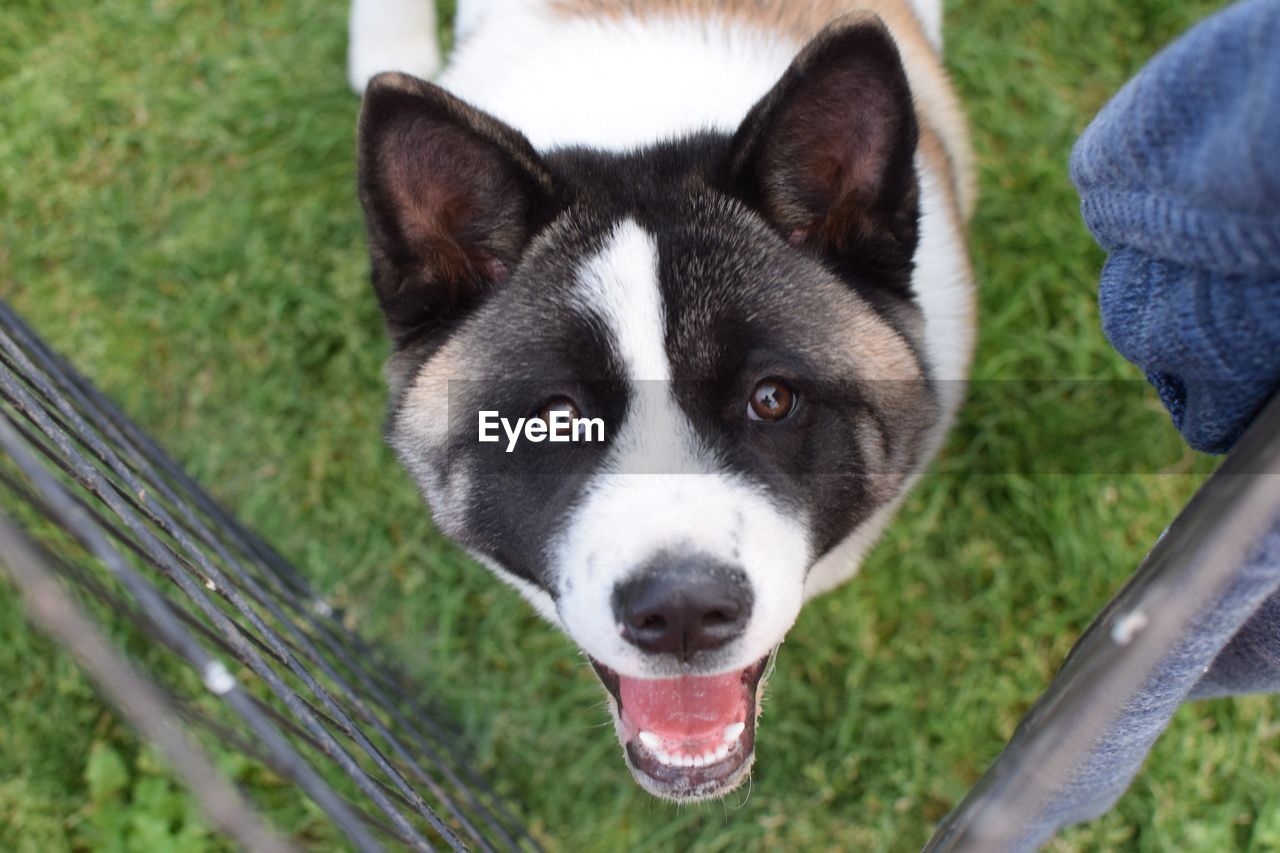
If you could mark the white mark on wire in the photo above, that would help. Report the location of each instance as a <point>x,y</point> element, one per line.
<point>322,607</point>
<point>1128,626</point>
<point>217,679</point>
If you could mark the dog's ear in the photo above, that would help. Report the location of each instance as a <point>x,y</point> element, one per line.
<point>828,155</point>
<point>448,193</point>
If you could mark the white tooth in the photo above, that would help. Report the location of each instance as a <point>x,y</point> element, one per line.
<point>734,731</point>
<point>722,751</point>
<point>686,761</point>
<point>699,761</point>
<point>650,741</point>
<point>662,757</point>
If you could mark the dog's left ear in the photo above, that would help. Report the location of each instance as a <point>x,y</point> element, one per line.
<point>451,197</point>
<point>828,155</point>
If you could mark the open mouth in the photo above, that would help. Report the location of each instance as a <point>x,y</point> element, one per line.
<point>691,737</point>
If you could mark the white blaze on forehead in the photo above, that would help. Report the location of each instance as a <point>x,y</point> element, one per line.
<point>661,492</point>
<point>620,287</point>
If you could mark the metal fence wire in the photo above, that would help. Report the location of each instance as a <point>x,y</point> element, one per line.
<point>101,530</point>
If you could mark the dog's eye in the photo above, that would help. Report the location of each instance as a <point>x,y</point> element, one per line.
<point>555,405</point>
<point>771,400</point>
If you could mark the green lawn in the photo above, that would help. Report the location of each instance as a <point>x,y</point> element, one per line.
<point>178,215</point>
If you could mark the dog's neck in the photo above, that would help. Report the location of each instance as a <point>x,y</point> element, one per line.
<point>614,83</point>
<point>614,74</point>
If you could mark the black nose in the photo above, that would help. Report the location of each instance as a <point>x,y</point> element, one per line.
<point>683,607</point>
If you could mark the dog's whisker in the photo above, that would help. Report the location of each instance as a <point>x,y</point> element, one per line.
<point>746,793</point>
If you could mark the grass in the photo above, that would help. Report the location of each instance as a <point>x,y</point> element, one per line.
<point>178,216</point>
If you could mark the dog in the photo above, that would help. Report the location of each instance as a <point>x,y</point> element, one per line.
<point>732,233</point>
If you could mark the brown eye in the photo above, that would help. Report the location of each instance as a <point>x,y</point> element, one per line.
<point>771,400</point>
<point>550,410</point>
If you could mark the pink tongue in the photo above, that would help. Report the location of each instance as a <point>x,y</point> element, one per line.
<point>684,708</point>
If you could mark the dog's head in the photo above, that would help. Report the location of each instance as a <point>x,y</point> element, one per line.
<point>735,308</point>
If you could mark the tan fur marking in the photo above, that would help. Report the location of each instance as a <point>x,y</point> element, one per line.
<point>425,414</point>
<point>869,340</point>
<point>897,388</point>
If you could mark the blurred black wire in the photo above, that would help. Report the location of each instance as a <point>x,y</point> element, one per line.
<point>113,526</point>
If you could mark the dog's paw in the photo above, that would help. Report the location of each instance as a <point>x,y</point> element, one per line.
<point>418,55</point>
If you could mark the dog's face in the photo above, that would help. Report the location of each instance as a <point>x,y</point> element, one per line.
<point>735,309</point>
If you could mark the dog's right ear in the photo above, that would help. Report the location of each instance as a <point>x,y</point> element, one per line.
<point>448,195</point>
<point>828,155</point>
